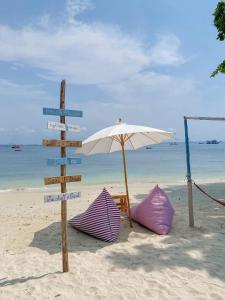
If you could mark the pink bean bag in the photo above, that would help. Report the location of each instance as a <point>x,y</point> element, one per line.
<point>155,212</point>
<point>101,219</point>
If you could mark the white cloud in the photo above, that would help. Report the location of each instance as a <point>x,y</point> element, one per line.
<point>44,21</point>
<point>84,53</point>
<point>155,99</point>
<point>76,7</point>
<point>25,91</point>
<point>102,55</point>
<point>166,51</point>
<point>147,86</point>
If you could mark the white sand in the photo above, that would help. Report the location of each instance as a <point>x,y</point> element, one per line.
<point>186,264</point>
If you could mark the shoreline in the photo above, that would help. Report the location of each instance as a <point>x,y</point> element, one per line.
<point>116,184</point>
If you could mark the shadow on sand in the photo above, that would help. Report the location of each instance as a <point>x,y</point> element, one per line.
<point>175,252</point>
<point>49,239</point>
<point>8,282</point>
<point>201,248</point>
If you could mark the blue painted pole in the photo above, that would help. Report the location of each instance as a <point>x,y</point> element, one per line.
<point>187,149</point>
<point>189,180</point>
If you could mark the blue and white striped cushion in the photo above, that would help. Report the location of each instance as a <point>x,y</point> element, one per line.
<point>101,219</point>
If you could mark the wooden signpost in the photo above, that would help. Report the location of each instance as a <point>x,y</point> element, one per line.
<point>62,112</point>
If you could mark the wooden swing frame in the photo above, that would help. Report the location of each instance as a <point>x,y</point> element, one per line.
<point>188,162</point>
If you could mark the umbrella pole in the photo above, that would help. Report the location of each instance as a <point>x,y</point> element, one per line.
<point>125,176</point>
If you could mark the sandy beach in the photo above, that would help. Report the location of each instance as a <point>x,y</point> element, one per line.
<point>122,95</point>
<point>186,264</point>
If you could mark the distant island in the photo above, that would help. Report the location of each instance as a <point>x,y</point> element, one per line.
<point>213,142</point>
<point>210,142</point>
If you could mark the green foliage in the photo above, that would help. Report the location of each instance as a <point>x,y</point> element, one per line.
<point>219,69</point>
<point>219,22</point>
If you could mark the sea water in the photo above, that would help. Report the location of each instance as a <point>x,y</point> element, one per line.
<point>161,163</point>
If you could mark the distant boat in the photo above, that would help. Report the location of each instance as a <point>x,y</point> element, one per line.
<point>214,142</point>
<point>148,147</point>
<point>16,147</point>
<point>173,143</point>
<point>201,143</point>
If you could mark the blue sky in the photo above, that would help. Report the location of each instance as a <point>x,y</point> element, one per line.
<point>146,61</point>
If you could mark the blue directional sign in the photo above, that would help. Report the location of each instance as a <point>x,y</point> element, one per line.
<point>73,160</point>
<point>62,112</point>
<point>63,161</point>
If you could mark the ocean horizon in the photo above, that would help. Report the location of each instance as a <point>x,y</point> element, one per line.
<point>162,163</point>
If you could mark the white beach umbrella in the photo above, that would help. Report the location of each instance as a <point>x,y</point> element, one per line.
<point>123,137</point>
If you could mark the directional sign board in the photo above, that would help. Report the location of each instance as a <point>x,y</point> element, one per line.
<point>63,127</point>
<point>61,143</point>
<point>61,197</point>
<point>62,112</point>
<point>63,161</point>
<point>62,179</point>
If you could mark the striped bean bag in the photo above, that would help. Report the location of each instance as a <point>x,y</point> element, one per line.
<point>101,219</point>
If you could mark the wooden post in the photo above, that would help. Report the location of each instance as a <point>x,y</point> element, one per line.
<point>63,160</point>
<point>189,180</point>
<point>125,176</point>
<point>63,186</point>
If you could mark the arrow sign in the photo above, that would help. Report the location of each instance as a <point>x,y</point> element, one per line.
<point>63,127</point>
<point>63,161</point>
<point>62,112</point>
<point>62,179</point>
<point>61,143</point>
<point>61,197</point>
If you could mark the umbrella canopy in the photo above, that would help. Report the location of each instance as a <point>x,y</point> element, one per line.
<point>109,139</point>
<point>123,137</point>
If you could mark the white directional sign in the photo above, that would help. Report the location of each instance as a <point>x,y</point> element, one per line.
<point>63,127</point>
<point>61,197</point>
